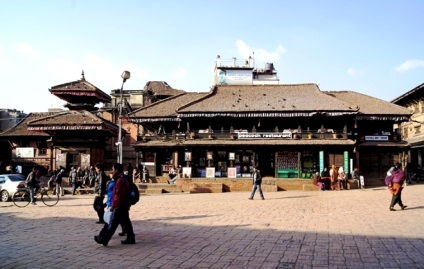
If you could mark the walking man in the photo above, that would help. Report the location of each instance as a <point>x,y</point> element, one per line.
<point>100,191</point>
<point>120,209</point>
<point>257,181</point>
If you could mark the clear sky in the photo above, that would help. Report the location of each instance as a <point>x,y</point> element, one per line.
<point>372,47</point>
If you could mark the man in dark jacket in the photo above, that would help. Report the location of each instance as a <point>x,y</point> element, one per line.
<point>257,181</point>
<point>100,191</point>
<point>120,209</point>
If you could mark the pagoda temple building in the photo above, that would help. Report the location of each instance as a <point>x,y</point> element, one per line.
<point>76,136</point>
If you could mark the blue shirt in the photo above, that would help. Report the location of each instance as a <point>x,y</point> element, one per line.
<point>110,187</point>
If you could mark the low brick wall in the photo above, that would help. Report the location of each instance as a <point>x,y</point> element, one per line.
<point>295,184</point>
<point>241,184</point>
<point>205,187</point>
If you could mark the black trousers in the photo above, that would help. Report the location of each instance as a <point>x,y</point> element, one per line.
<point>99,207</point>
<point>397,199</point>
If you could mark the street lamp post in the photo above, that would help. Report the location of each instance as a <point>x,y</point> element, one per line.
<point>125,75</point>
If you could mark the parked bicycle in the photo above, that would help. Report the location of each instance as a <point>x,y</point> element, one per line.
<point>47,195</point>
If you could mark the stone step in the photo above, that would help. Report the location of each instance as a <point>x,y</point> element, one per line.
<point>156,188</point>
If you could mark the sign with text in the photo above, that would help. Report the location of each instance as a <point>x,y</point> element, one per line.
<point>235,77</point>
<point>376,138</point>
<point>25,152</point>
<point>263,135</point>
<point>346,161</point>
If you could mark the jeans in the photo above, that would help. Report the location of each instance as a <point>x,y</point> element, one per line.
<point>120,214</point>
<point>32,193</point>
<point>172,181</point>
<point>59,189</point>
<point>257,186</point>
<point>74,187</point>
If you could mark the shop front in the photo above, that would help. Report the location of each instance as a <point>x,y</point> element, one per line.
<point>287,159</point>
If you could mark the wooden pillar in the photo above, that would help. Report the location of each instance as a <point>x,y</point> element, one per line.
<point>175,157</point>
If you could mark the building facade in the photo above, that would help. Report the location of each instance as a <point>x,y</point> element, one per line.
<point>413,130</point>
<point>288,130</point>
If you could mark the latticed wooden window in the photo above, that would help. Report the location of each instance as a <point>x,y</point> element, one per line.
<point>42,148</point>
<point>42,151</point>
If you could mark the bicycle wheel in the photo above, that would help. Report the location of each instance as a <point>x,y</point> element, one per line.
<point>21,198</point>
<point>48,198</point>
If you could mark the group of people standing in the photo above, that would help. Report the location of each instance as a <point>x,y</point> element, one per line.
<point>140,176</point>
<point>335,179</point>
<point>81,178</point>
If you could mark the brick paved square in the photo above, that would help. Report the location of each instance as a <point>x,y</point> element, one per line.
<point>293,229</point>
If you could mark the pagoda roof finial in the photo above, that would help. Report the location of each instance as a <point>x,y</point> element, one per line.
<point>82,75</point>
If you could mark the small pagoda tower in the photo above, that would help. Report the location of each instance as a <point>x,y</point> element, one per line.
<point>80,94</point>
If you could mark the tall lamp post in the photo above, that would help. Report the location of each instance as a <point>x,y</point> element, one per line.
<point>125,75</point>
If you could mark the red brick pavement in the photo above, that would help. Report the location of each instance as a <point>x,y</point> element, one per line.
<point>345,229</point>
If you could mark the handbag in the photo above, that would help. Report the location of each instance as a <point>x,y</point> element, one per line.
<point>107,216</point>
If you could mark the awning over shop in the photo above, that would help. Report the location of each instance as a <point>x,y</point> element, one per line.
<point>71,149</point>
<point>402,144</point>
<point>263,142</point>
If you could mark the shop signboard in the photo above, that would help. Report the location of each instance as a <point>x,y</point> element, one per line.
<point>270,135</point>
<point>376,138</point>
<point>25,152</point>
<point>346,161</point>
